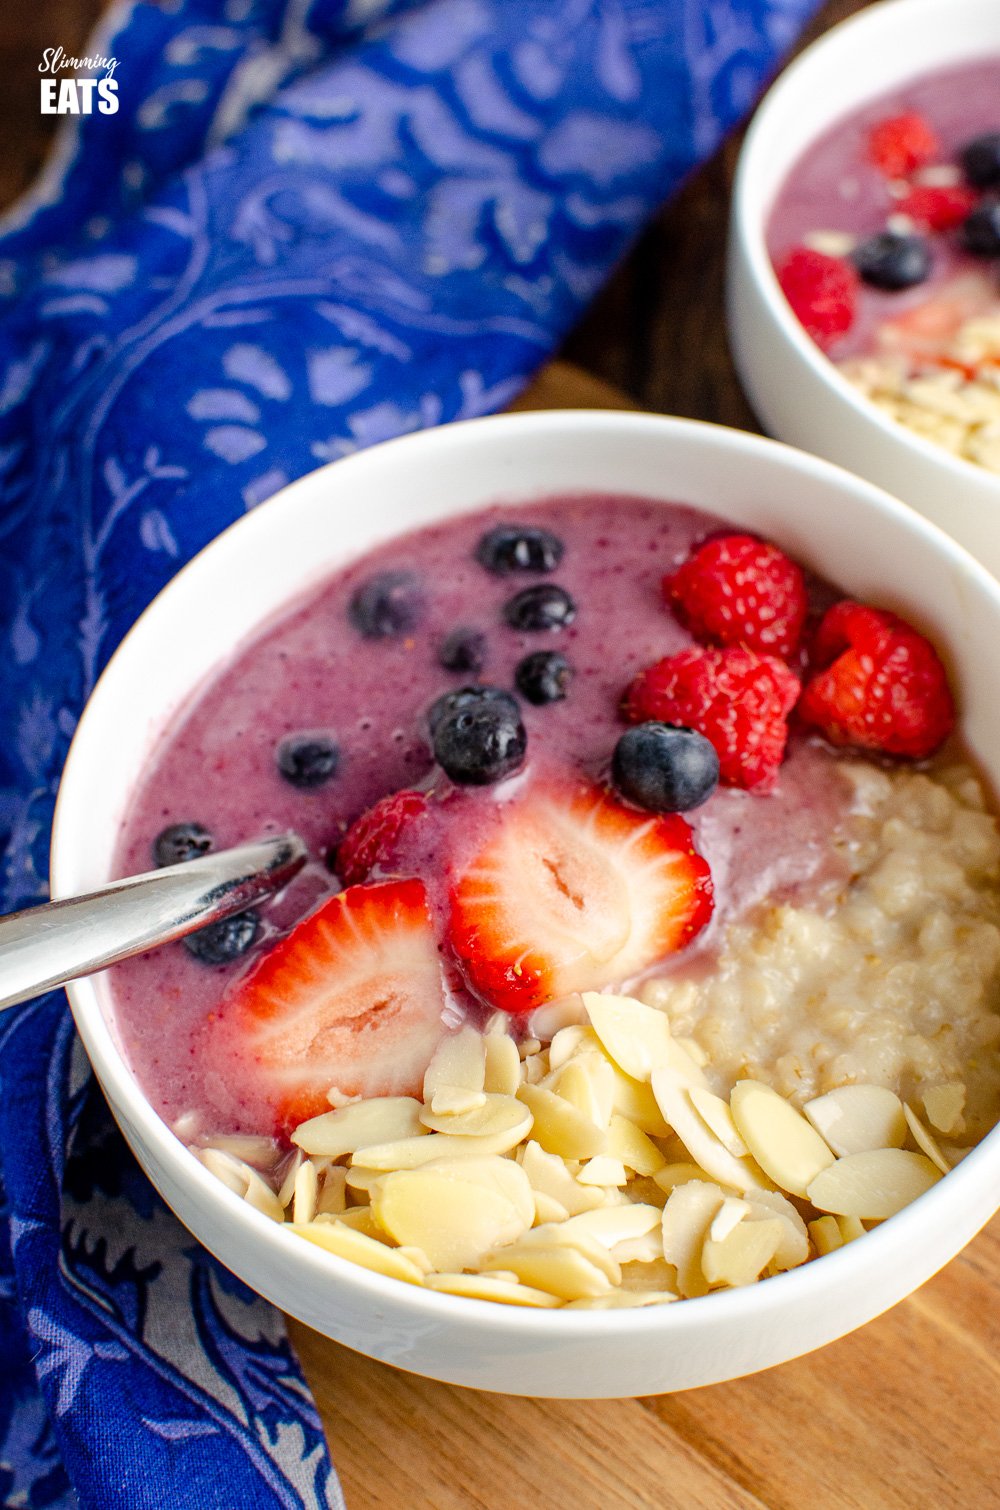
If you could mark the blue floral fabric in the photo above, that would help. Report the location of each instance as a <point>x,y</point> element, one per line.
<point>312,225</point>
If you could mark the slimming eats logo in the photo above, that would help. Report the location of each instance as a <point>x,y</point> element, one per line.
<point>77,96</point>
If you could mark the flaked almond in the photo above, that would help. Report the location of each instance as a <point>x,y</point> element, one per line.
<point>576,1039</point>
<point>687,1217</point>
<point>505,1176</point>
<point>557,1270</point>
<point>332,1192</point>
<point>549,1176</point>
<point>552,1016</point>
<point>547,1209</point>
<point>925,1140</point>
<point>825,1234</point>
<point>621,1300</point>
<point>743,1255</point>
<point>496,1287</point>
<point>603,1170</point>
<point>359,1219</point>
<point>458,1063</point>
<point>455,1224</point>
<point>243,1181</point>
<point>611,1225</point>
<point>874,1185</point>
<point>305,1196</point>
<point>345,1242</point>
<point>359,1179</point>
<point>562,1234</point>
<point>858,1118</point>
<point>678,1173</point>
<point>674,1100</point>
<point>944,1105</point>
<point>287,1188</point>
<point>794,1246</point>
<point>587,1082</point>
<point>717,1117</point>
<point>502,1069</point>
<point>787,1148</point>
<point>497,1116</point>
<point>382,1119</point>
<point>638,1038</point>
<point>559,1126</point>
<point>729,1215</point>
<point>851,1228</point>
<point>409,1153</point>
<point>631,1145</point>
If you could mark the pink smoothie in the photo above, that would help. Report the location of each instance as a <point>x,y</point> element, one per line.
<point>312,671</point>
<point>835,187</point>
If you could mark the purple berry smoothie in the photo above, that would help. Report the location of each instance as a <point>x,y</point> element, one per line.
<point>312,670</point>
<point>835,187</point>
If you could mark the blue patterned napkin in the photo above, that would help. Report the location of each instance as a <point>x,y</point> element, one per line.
<point>311,225</point>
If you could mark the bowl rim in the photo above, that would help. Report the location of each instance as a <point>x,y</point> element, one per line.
<point>546,1325</point>
<point>750,210</point>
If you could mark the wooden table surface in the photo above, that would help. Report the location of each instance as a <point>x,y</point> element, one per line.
<point>900,1416</point>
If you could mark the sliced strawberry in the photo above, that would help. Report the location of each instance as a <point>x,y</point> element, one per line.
<point>883,686</point>
<point>901,143</point>
<point>371,840</point>
<point>573,892</point>
<point>352,998</point>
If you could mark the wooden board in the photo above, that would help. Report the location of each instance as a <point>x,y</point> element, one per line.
<point>900,1416</point>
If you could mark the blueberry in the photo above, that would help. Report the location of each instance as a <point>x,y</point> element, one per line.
<point>463,650</point>
<point>508,548</point>
<point>665,768</point>
<point>543,676</point>
<point>307,760</point>
<point>180,842</point>
<point>222,942</point>
<point>479,739</point>
<point>980,160</point>
<point>387,605</point>
<point>543,607</point>
<point>981,229</point>
<point>892,260</point>
<point>468,697</point>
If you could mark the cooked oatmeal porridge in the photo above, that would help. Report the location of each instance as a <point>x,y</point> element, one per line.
<point>650,939</point>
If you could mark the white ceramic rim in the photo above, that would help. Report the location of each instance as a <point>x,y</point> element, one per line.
<point>120,1087</point>
<point>751,209</point>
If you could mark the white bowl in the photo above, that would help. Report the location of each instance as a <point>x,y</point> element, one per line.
<point>852,532</point>
<point>797,392</point>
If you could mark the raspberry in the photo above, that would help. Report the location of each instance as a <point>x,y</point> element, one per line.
<point>938,207</point>
<point>902,143</point>
<point>737,699</point>
<point>883,686</point>
<point>736,590</point>
<point>371,839</point>
<point>822,291</point>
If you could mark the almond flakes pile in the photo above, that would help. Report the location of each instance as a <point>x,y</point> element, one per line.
<point>599,1171</point>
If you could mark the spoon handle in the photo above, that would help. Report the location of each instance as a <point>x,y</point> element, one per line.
<point>48,945</point>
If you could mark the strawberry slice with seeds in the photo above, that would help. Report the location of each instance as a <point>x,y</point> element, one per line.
<point>352,998</point>
<point>574,891</point>
<point>372,840</point>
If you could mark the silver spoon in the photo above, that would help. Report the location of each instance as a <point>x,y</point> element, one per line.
<point>48,945</point>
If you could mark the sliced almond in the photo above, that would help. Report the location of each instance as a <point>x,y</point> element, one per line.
<point>794,1246</point>
<point>874,1185</point>
<point>287,1188</point>
<point>563,1235</point>
<point>455,1225</point>
<point>305,1197</point>
<point>944,1105</point>
<point>560,1127</point>
<point>379,1120</point>
<point>672,1175</point>
<point>729,1215</point>
<point>552,1016</point>
<point>826,1235</point>
<point>547,1209</point>
<point>453,1101</point>
<point>458,1063</point>
<point>502,1069</point>
<point>574,1039</point>
<point>558,1270</point>
<point>588,1083</point>
<point>496,1116</point>
<point>674,1100</point>
<point>636,1102</point>
<point>359,1178</point>
<point>611,1225</point>
<point>785,1146</point>
<point>743,1255</point>
<point>857,1118</point>
<point>638,1038</point>
<point>494,1287</point>
<point>631,1145</point>
<point>243,1181</point>
<point>925,1140</point>
<point>717,1117</point>
<point>549,1176</point>
<point>409,1153</point>
<point>603,1170</point>
<point>338,1238</point>
<point>851,1228</point>
<point>504,1176</point>
<point>332,1192</point>
<point>360,1219</point>
<point>687,1216</point>
<point>619,1300</point>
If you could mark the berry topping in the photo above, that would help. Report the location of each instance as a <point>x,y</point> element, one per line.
<point>180,842</point>
<point>902,143</point>
<point>883,686</point>
<point>572,892</point>
<point>892,260</point>
<point>477,734</point>
<point>509,548</point>
<point>308,760</point>
<point>371,840</point>
<point>387,605</point>
<point>737,590</point>
<point>543,607</point>
<point>664,768</point>
<point>980,160</point>
<point>222,942</point>
<point>981,230</point>
<point>463,650</point>
<point>937,207</point>
<point>822,292</point>
<point>543,676</point>
<point>737,699</point>
<point>351,998</point>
